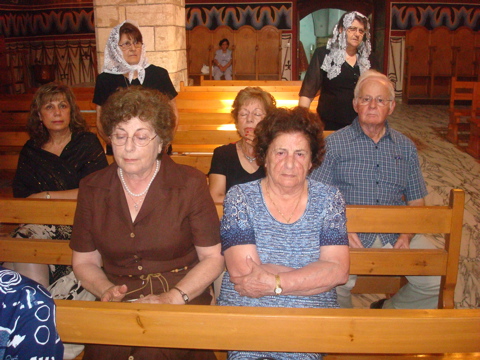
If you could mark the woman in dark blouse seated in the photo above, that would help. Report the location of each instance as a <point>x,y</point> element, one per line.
<point>235,163</point>
<point>58,155</point>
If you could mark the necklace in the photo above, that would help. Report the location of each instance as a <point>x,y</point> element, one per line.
<point>135,204</point>
<point>276,207</point>
<point>249,158</point>
<point>120,171</point>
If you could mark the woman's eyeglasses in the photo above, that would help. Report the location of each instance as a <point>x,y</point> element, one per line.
<point>141,140</point>
<point>256,114</point>
<point>128,44</point>
<point>354,29</point>
<point>366,100</point>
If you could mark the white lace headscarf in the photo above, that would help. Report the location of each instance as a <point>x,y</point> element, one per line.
<point>115,63</point>
<point>338,44</point>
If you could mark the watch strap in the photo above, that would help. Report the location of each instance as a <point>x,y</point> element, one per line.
<point>184,296</point>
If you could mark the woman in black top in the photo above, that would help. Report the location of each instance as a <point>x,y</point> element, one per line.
<point>125,64</point>
<point>334,71</point>
<point>235,163</point>
<point>58,155</point>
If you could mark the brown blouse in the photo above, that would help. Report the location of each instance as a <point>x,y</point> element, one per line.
<point>177,214</point>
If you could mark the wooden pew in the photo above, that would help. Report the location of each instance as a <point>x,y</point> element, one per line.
<point>371,262</point>
<point>350,331</point>
<point>221,101</point>
<point>244,83</point>
<point>337,331</point>
<point>461,100</point>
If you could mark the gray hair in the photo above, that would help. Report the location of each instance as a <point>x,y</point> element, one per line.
<point>374,74</point>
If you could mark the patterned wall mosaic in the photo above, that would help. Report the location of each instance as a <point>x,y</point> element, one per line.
<point>256,15</point>
<point>407,15</point>
<point>53,32</point>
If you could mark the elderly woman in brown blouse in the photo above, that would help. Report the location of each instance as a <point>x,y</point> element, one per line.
<point>146,228</point>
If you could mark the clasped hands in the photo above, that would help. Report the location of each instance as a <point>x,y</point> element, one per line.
<point>255,284</point>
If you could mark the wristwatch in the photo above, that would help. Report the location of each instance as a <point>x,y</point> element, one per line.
<point>278,287</point>
<point>184,296</point>
<point>47,195</point>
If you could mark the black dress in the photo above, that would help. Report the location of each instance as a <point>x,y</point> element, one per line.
<point>335,106</point>
<point>39,170</point>
<point>225,161</point>
<point>155,78</point>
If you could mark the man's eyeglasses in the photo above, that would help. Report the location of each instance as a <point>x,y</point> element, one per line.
<point>128,44</point>
<point>354,29</point>
<point>120,139</point>
<point>366,100</point>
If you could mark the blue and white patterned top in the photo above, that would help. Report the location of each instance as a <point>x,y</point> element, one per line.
<point>246,220</point>
<point>27,320</point>
<point>386,173</point>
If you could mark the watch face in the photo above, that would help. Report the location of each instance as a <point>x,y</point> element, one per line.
<point>278,290</point>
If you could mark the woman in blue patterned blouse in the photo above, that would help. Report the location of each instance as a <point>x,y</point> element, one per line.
<point>284,236</point>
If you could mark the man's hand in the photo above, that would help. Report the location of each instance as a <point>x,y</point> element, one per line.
<point>354,241</point>
<point>403,241</point>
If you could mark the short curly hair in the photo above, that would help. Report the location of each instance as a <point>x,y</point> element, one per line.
<point>54,91</point>
<point>148,105</point>
<point>252,93</point>
<point>288,121</point>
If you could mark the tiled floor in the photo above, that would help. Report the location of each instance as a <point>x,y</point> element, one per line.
<point>445,166</point>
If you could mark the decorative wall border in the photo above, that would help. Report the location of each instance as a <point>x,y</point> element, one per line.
<point>257,15</point>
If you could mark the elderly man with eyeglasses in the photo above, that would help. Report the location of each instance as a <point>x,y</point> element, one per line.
<point>373,164</point>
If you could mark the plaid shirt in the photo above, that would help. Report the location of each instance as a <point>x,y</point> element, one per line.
<point>386,173</point>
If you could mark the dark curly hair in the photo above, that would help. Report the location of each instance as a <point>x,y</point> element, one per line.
<point>53,91</point>
<point>252,93</point>
<point>148,105</point>
<point>287,121</point>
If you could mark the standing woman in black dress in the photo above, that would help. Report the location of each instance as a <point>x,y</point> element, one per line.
<point>126,64</point>
<point>335,69</point>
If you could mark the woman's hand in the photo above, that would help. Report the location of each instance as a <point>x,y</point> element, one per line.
<point>114,293</point>
<point>257,283</point>
<point>170,297</point>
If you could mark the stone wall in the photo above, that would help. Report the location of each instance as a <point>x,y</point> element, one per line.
<point>162,24</point>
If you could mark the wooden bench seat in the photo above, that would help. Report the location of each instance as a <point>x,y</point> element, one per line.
<point>340,332</point>
<point>370,262</point>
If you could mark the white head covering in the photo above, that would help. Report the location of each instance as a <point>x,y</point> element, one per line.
<point>338,44</point>
<point>114,62</point>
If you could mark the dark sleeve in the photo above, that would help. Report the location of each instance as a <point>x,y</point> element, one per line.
<point>82,235</point>
<point>158,78</point>
<point>94,158</point>
<point>219,161</point>
<point>20,188</point>
<point>203,216</point>
<point>236,227</point>
<point>105,85</point>
<point>312,82</point>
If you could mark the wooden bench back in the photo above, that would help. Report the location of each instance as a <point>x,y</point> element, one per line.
<point>245,83</point>
<point>373,262</point>
<point>352,331</point>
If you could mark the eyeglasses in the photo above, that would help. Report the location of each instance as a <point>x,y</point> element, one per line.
<point>120,139</point>
<point>128,44</point>
<point>354,29</point>
<point>366,100</point>
<point>257,115</point>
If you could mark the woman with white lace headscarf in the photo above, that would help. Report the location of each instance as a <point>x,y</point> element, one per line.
<point>125,65</point>
<point>334,70</point>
